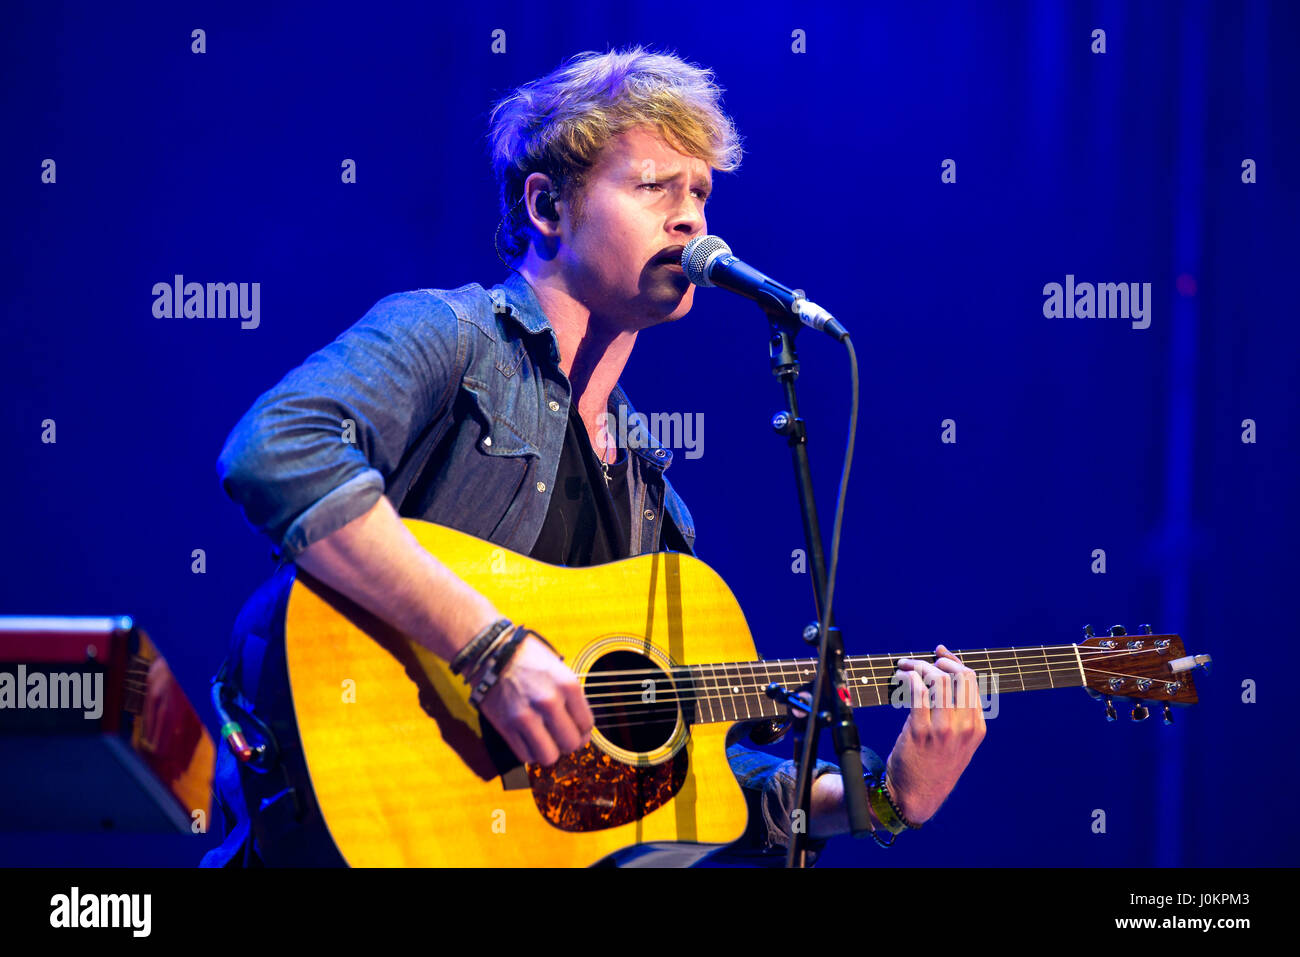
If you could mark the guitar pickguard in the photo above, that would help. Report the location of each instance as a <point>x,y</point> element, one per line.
<point>590,791</point>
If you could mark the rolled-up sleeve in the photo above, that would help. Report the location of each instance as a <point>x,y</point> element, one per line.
<point>314,452</point>
<point>769,787</point>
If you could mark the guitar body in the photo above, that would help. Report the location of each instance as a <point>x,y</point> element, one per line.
<point>406,773</point>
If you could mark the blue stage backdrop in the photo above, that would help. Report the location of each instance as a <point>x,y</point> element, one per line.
<point>923,170</point>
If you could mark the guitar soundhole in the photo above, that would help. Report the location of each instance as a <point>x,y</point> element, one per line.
<point>633,701</point>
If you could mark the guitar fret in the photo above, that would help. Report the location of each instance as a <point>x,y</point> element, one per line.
<point>714,697</point>
<point>736,688</point>
<point>753,688</point>
<point>737,691</point>
<point>771,708</point>
<point>1019,673</point>
<point>699,703</point>
<point>722,689</point>
<point>740,688</point>
<point>759,682</point>
<point>701,690</point>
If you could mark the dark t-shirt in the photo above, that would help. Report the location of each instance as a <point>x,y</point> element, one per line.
<point>587,522</point>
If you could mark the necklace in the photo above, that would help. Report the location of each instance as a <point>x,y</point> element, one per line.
<point>604,466</point>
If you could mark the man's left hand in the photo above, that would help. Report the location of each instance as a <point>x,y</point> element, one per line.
<point>945,725</point>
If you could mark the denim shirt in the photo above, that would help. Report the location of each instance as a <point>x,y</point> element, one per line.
<point>452,403</point>
<point>456,407</point>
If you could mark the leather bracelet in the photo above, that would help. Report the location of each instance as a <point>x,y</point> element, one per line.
<point>496,664</point>
<point>478,644</point>
<point>476,670</point>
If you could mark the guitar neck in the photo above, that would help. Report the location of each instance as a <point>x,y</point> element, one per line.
<point>735,691</point>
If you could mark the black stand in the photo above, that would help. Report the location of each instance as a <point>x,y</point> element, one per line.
<point>830,695</point>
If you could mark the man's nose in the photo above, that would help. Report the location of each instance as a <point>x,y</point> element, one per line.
<point>689,218</point>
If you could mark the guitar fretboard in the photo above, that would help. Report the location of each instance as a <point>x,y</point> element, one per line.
<point>736,691</point>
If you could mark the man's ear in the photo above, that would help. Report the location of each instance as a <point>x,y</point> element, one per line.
<point>546,206</point>
<point>541,198</point>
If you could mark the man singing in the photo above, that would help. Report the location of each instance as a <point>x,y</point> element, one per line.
<point>485,410</point>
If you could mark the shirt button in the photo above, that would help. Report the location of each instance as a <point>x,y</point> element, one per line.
<point>553,406</point>
<point>649,514</point>
<point>487,442</point>
<point>541,486</point>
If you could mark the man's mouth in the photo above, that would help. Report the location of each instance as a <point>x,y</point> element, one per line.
<point>672,256</point>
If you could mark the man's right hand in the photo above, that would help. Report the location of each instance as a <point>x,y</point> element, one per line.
<point>538,706</point>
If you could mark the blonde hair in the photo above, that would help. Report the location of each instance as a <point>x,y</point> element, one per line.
<point>560,123</point>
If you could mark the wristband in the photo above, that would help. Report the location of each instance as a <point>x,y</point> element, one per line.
<point>496,663</point>
<point>475,670</point>
<point>887,812</point>
<point>478,644</point>
<point>898,811</point>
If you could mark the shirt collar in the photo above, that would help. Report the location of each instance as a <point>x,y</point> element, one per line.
<point>525,307</point>
<point>526,310</point>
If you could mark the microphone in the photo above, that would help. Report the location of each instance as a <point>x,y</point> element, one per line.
<point>708,261</point>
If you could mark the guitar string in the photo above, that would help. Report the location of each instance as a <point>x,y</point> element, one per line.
<point>886,662</point>
<point>731,671</point>
<point>741,673</point>
<point>762,699</point>
<point>733,688</point>
<point>666,712</point>
<point>699,719</point>
<point>729,690</point>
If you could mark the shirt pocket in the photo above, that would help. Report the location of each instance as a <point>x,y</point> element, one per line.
<point>490,492</point>
<point>499,435</point>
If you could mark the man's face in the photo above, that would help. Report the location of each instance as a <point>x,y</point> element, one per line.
<point>643,202</point>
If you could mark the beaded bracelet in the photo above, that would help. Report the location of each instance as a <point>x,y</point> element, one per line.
<point>875,836</point>
<point>885,814</point>
<point>872,801</point>
<point>884,787</point>
<point>887,811</point>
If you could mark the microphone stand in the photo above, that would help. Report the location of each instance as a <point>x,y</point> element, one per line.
<point>830,695</point>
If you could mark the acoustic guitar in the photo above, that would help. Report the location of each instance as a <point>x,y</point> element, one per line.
<point>407,773</point>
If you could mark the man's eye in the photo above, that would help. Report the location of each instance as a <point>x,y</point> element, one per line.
<point>698,192</point>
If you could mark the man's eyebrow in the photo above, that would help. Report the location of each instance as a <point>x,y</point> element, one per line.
<point>700,182</point>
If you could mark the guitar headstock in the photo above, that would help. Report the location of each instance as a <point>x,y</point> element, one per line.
<point>1145,667</point>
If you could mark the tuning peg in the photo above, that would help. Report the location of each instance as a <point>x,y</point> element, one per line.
<point>1117,631</point>
<point>1110,710</point>
<point>1140,712</point>
<point>1145,629</point>
<point>1168,715</point>
<point>1087,631</point>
